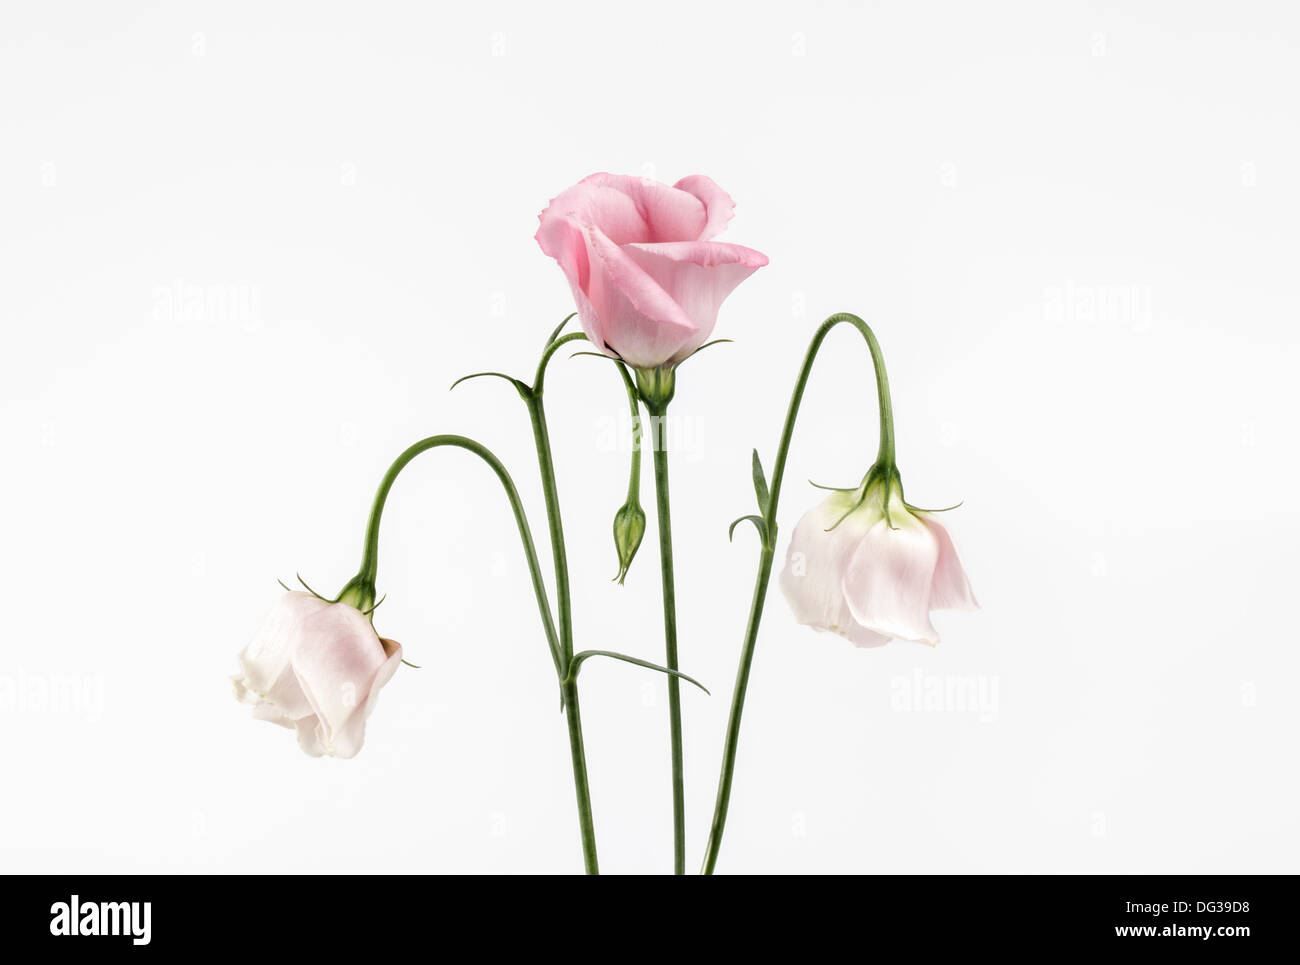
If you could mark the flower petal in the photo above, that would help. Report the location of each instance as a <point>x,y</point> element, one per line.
<point>950,589</point>
<point>354,734</point>
<point>589,320</point>
<point>888,579</point>
<point>631,312</point>
<point>267,681</point>
<point>338,662</point>
<point>814,567</point>
<point>309,736</point>
<point>627,209</point>
<point>561,237</point>
<point>718,206</point>
<point>697,276</point>
<point>348,737</point>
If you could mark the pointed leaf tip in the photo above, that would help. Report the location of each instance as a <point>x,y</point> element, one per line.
<point>760,484</point>
<point>756,520</point>
<point>522,388</point>
<point>578,659</point>
<point>559,328</point>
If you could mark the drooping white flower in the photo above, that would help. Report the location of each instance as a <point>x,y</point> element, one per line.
<point>851,570</point>
<point>317,667</point>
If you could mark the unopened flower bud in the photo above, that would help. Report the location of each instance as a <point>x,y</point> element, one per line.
<point>629,527</point>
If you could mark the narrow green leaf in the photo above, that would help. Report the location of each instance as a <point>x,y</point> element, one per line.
<point>578,658</point>
<point>758,524</point>
<point>524,389</point>
<point>760,484</point>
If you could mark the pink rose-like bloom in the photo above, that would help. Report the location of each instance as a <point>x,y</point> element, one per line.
<point>869,582</point>
<point>317,667</point>
<point>647,280</point>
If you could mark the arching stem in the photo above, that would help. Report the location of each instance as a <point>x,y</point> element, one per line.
<point>884,459</point>
<point>370,555</point>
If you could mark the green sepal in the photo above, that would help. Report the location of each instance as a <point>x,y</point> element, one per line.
<point>311,591</point>
<point>835,489</point>
<point>922,509</point>
<point>355,591</point>
<point>656,387</point>
<point>716,341</point>
<point>358,592</point>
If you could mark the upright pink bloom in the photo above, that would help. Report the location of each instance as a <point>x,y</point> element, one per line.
<point>847,570</point>
<point>647,280</point>
<point>317,667</point>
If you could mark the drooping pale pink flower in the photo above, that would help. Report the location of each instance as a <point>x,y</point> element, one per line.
<point>317,667</point>
<point>867,581</point>
<point>647,279</point>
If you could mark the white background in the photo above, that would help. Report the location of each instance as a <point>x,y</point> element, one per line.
<point>246,247</point>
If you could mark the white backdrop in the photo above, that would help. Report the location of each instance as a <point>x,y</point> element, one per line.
<point>247,247</point>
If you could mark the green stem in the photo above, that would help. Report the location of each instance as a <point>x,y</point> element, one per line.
<point>539,379</point>
<point>634,475</point>
<point>884,458</point>
<point>581,788</point>
<point>659,443</point>
<point>541,436</point>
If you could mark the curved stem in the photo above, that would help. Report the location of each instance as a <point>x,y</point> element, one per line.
<point>884,458</point>
<point>539,378</point>
<point>370,557</point>
<point>659,444</point>
<point>885,452</point>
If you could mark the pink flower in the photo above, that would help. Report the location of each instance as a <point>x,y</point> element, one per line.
<point>317,667</point>
<point>647,280</point>
<point>867,581</point>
